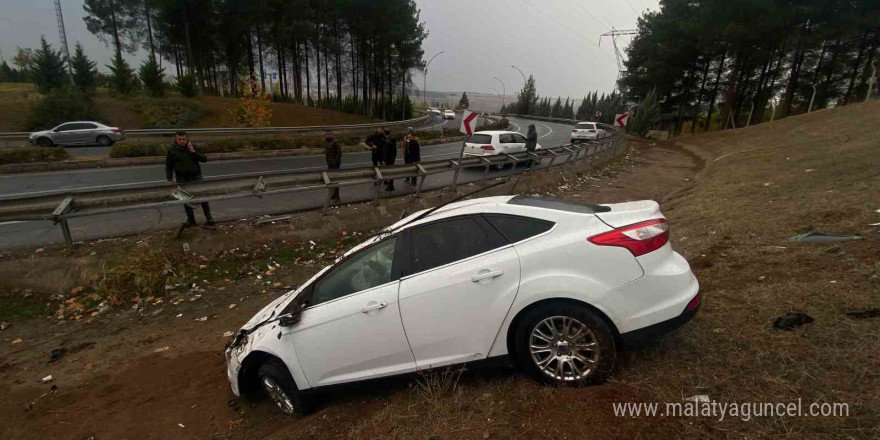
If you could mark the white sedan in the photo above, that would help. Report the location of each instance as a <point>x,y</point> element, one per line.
<point>584,131</point>
<point>551,286</point>
<point>490,143</point>
<point>448,114</point>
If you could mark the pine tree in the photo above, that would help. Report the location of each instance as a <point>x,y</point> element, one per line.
<point>645,115</point>
<point>48,71</point>
<point>152,76</point>
<point>556,112</point>
<point>463,102</point>
<point>7,74</point>
<point>85,73</point>
<point>122,75</point>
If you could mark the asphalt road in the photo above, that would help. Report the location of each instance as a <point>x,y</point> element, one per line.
<point>15,235</point>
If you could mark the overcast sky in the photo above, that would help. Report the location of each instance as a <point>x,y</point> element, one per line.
<point>557,41</point>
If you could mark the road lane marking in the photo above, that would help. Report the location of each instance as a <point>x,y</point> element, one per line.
<point>548,128</point>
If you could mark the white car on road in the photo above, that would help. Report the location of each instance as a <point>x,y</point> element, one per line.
<point>585,131</point>
<point>551,286</point>
<point>448,114</point>
<point>490,143</point>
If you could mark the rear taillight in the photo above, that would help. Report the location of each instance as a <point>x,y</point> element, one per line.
<point>591,131</point>
<point>486,147</point>
<point>693,304</point>
<point>639,238</point>
<point>114,130</point>
<point>574,131</point>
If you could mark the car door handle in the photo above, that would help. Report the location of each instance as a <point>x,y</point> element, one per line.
<point>487,275</point>
<point>371,306</point>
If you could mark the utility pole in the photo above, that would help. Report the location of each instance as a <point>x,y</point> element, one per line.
<point>614,33</point>
<point>502,88</point>
<point>425,81</point>
<point>525,82</point>
<point>63,35</point>
<point>871,84</point>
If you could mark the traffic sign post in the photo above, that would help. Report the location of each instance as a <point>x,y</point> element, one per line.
<point>621,119</point>
<point>468,126</point>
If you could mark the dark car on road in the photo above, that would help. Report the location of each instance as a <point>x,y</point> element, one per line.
<point>77,133</point>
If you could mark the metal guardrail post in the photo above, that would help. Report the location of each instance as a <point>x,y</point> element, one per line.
<point>378,184</point>
<point>458,165</point>
<point>64,207</point>
<point>423,174</point>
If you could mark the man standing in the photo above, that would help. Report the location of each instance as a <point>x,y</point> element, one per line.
<point>531,144</point>
<point>411,152</point>
<point>389,155</point>
<point>376,144</point>
<point>333,154</point>
<point>182,166</point>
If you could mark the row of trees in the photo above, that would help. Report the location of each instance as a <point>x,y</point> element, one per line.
<point>49,70</point>
<point>348,55</point>
<point>737,60</point>
<point>593,107</point>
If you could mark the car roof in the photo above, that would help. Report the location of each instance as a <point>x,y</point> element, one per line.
<point>497,132</point>
<point>588,122</point>
<point>81,122</point>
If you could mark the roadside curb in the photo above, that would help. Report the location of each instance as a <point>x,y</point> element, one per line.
<point>156,160</point>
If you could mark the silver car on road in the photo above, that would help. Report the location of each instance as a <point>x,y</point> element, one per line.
<point>77,133</point>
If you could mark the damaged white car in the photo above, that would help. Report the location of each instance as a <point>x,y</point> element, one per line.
<point>550,286</point>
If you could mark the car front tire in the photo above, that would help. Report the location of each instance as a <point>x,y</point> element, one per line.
<point>277,383</point>
<point>104,141</point>
<point>44,142</point>
<point>565,344</point>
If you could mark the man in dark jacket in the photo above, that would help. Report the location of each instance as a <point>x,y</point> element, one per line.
<point>531,143</point>
<point>376,143</point>
<point>333,154</point>
<point>182,166</point>
<point>411,152</point>
<point>389,155</point>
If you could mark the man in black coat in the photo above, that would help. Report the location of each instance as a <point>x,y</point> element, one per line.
<point>531,144</point>
<point>412,152</point>
<point>389,155</point>
<point>333,154</point>
<point>376,143</point>
<point>182,166</point>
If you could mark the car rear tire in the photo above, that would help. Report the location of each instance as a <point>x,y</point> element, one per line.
<point>104,141</point>
<point>44,142</point>
<point>277,383</point>
<point>565,344</point>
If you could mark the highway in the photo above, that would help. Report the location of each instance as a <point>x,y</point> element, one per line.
<point>14,235</point>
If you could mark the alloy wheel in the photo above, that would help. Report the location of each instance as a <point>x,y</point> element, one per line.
<point>564,348</point>
<point>278,396</point>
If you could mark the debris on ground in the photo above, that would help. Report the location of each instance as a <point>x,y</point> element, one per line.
<point>818,237</point>
<point>17,341</point>
<point>161,349</point>
<point>699,398</point>
<point>48,379</point>
<point>791,320</point>
<point>202,319</point>
<point>56,354</point>
<point>865,314</point>
<point>4,325</point>
<point>228,334</point>
<point>30,405</point>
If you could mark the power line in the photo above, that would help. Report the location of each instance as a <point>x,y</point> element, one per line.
<point>631,6</point>
<point>603,23</point>
<point>568,28</point>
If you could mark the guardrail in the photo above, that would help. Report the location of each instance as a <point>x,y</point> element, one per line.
<point>23,135</point>
<point>62,206</point>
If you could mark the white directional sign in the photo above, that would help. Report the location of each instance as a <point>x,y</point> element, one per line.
<point>621,119</point>
<point>468,122</point>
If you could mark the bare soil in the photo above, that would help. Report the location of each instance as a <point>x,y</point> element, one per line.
<point>758,186</point>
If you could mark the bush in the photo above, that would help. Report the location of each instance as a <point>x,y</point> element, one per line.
<point>62,105</point>
<point>223,146</point>
<point>274,144</point>
<point>188,85</point>
<point>169,113</point>
<point>32,155</point>
<point>137,150</point>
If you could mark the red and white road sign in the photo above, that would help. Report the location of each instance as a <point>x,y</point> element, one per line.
<point>468,122</point>
<point>621,119</point>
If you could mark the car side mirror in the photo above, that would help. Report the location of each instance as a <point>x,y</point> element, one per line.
<point>287,320</point>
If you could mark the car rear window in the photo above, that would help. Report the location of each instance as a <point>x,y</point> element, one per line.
<point>559,205</point>
<point>515,228</point>
<point>480,139</point>
<point>584,126</point>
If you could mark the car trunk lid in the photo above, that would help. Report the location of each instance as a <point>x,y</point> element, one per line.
<point>627,213</point>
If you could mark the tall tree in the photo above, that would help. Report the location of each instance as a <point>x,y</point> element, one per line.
<point>49,68</point>
<point>85,72</point>
<point>122,76</point>
<point>114,21</point>
<point>153,77</point>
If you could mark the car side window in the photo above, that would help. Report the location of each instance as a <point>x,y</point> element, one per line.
<point>86,126</point>
<point>443,242</point>
<point>520,139</point>
<point>506,138</point>
<point>516,228</point>
<point>66,127</point>
<point>369,268</point>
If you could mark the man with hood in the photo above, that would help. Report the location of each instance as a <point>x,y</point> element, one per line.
<point>411,151</point>
<point>376,144</point>
<point>182,165</point>
<point>531,143</point>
